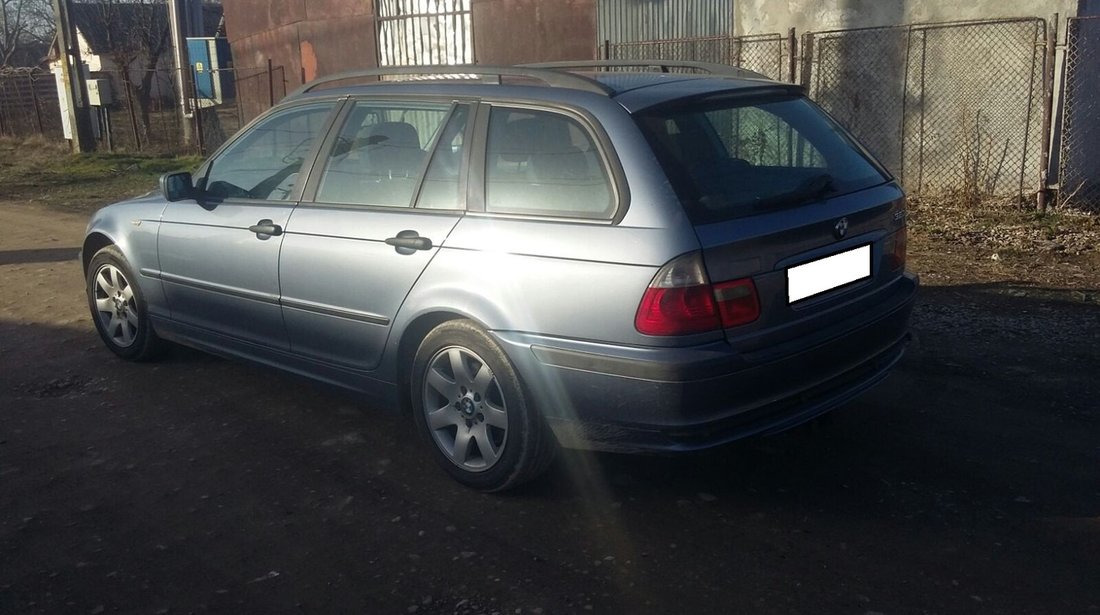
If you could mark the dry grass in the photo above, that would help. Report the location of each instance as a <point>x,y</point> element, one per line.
<point>42,171</point>
<point>952,242</point>
<point>1004,225</point>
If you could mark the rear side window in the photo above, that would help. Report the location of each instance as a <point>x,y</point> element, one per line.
<point>733,158</point>
<point>380,153</point>
<point>544,163</point>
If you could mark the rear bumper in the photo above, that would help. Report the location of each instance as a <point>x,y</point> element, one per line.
<point>684,399</point>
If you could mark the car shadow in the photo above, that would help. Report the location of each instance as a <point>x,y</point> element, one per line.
<point>991,415</point>
<point>38,255</point>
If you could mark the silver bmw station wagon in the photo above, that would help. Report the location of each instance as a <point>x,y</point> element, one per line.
<point>590,254</point>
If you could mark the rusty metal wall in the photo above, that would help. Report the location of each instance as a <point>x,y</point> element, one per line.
<point>517,31</point>
<point>303,39</point>
<point>629,21</point>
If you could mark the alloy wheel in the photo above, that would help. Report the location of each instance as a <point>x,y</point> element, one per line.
<point>465,409</point>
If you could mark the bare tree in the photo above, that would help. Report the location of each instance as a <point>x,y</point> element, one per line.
<point>137,37</point>
<point>26,28</point>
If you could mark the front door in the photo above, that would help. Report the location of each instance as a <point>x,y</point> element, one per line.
<point>219,254</point>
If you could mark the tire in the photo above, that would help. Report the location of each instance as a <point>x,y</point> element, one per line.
<point>118,307</point>
<point>472,410</point>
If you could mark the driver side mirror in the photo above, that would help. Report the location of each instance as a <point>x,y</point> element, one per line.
<point>177,186</point>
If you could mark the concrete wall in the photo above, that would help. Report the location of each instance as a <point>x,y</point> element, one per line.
<point>769,16</point>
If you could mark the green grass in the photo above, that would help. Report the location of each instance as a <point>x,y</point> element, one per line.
<point>45,172</point>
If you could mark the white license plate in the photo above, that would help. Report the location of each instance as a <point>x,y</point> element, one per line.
<point>816,277</point>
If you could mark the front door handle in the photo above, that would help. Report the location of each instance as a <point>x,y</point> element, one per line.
<point>266,228</point>
<point>408,242</point>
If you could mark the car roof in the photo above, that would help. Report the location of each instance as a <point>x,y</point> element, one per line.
<point>559,82</point>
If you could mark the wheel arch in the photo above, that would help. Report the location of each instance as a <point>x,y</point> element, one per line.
<point>411,337</point>
<point>94,242</point>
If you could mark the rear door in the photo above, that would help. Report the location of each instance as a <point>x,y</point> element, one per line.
<point>779,193</point>
<point>386,194</point>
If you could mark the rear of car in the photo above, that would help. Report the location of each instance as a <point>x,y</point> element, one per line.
<point>795,301</point>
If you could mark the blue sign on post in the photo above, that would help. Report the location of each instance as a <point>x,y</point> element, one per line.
<point>211,68</point>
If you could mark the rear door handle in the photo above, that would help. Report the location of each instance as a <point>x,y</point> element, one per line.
<point>408,242</point>
<point>266,228</point>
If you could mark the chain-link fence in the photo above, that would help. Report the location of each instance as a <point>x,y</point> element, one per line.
<point>767,54</point>
<point>1079,174</point>
<point>950,108</point>
<point>141,110</point>
<point>28,103</point>
<point>145,112</point>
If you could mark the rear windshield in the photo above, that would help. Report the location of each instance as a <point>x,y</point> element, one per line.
<point>738,157</point>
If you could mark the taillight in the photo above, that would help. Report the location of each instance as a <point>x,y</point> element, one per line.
<point>737,302</point>
<point>896,249</point>
<point>681,301</point>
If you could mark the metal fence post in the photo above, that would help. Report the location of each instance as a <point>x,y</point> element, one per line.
<point>197,110</point>
<point>37,109</point>
<point>1042,195</point>
<point>792,43</point>
<point>807,59</point>
<point>270,84</point>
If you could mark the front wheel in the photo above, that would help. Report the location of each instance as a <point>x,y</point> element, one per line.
<point>118,308</point>
<point>471,407</point>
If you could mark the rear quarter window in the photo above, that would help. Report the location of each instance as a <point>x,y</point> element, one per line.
<point>546,164</point>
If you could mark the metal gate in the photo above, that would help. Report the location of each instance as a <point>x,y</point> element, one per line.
<point>414,32</point>
<point>1079,174</point>
<point>631,21</point>
<point>949,108</point>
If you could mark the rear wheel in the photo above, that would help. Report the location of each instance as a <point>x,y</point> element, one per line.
<point>118,307</point>
<point>472,409</point>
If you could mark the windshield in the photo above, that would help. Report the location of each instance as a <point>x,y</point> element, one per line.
<point>738,157</point>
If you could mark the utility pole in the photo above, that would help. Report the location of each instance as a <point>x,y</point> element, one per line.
<point>178,29</point>
<point>72,73</point>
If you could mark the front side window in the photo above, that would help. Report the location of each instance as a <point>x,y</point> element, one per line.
<point>733,158</point>
<point>264,164</point>
<point>544,163</point>
<point>380,153</point>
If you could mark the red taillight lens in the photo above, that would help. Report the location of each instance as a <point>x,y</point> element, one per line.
<point>681,301</point>
<point>737,302</point>
<point>896,257</point>
<point>677,311</point>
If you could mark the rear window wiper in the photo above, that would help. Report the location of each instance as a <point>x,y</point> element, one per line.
<point>811,189</point>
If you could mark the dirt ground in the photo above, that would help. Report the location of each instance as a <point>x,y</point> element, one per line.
<point>968,483</point>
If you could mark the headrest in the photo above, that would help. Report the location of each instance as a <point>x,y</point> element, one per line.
<point>534,136</point>
<point>394,134</point>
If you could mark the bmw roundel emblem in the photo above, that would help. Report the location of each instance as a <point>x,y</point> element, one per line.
<point>841,228</point>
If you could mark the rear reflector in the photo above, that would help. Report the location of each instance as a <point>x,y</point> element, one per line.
<point>681,301</point>
<point>896,248</point>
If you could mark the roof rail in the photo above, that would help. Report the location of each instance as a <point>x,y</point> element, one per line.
<point>664,65</point>
<point>552,78</point>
